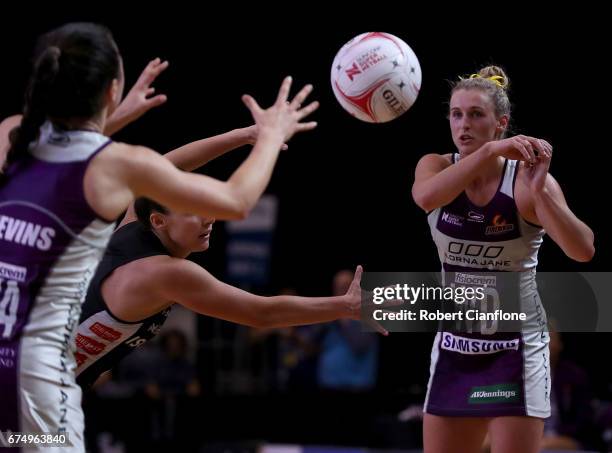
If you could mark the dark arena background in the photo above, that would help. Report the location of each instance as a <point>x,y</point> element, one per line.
<point>340,196</point>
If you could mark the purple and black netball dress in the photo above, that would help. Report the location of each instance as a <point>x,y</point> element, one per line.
<point>50,244</point>
<point>483,370</point>
<point>103,339</point>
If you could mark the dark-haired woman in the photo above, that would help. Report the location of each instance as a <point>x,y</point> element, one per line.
<point>63,185</point>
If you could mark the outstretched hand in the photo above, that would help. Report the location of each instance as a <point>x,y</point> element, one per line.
<point>362,307</point>
<point>140,99</point>
<point>283,116</point>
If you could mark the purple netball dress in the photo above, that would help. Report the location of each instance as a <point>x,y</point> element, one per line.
<point>50,244</point>
<point>484,371</point>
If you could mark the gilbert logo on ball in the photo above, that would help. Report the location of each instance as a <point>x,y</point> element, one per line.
<point>376,77</point>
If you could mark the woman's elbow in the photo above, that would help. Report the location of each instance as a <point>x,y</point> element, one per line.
<point>585,254</point>
<point>240,213</point>
<point>233,208</point>
<point>239,206</point>
<point>423,200</point>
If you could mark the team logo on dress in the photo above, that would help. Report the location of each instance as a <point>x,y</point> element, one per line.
<point>475,254</point>
<point>499,393</point>
<point>476,280</point>
<point>89,345</point>
<point>499,225</point>
<point>452,219</point>
<point>12,272</point>
<point>154,328</point>
<point>474,216</point>
<point>105,332</point>
<point>475,346</point>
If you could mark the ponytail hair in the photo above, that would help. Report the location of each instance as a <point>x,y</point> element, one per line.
<point>74,65</point>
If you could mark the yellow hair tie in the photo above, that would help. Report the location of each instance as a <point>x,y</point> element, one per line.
<point>497,80</point>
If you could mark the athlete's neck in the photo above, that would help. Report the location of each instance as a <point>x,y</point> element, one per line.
<point>94,124</point>
<point>172,248</point>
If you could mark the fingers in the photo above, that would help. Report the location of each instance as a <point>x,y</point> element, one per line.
<point>299,98</point>
<point>157,100</point>
<point>546,144</point>
<point>301,127</point>
<point>525,147</point>
<point>542,150</point>
<point>154,70</point>
<point>548,147</point>
<point>537,145</point>
<point>377,327</point>
<point>542,146</point>
<point>151,71</point>
<point>522,147</point>
<point>283,93</point>
<point>358,274</point>
<point>151,65</point>
<point>302,113</point>
<point>284,114</point>
<point>251,104</point>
